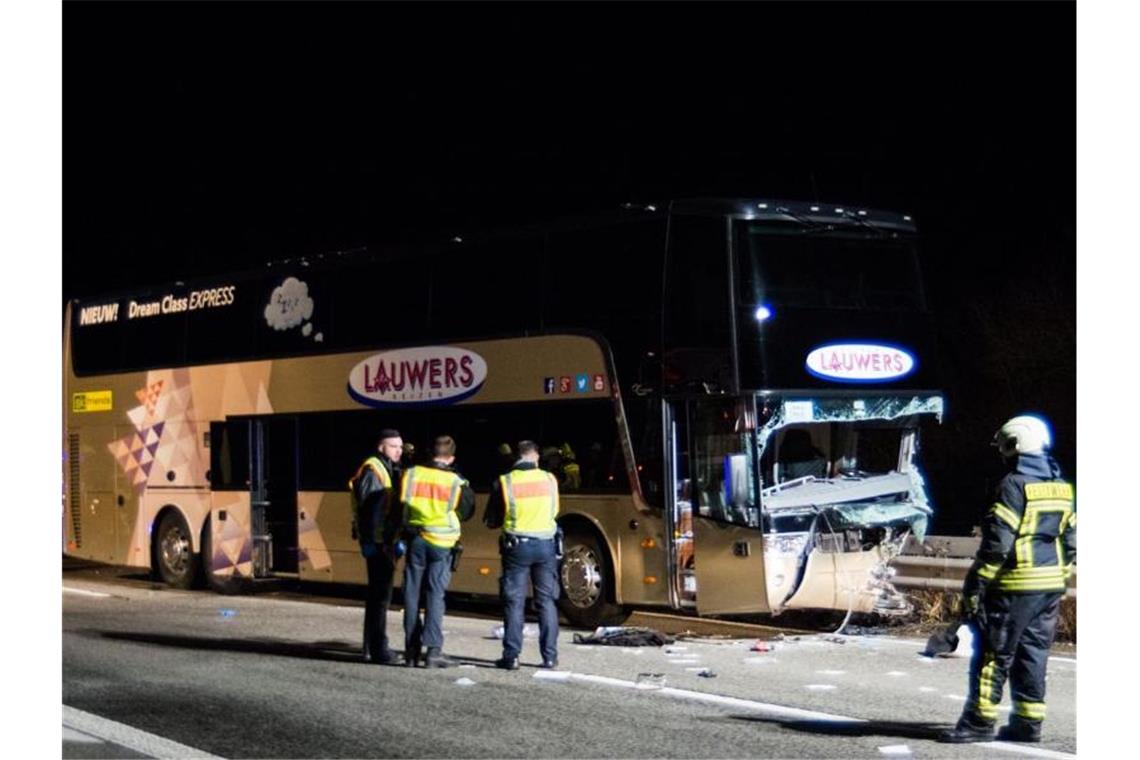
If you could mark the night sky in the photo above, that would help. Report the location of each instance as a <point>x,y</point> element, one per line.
<point>205,137</point>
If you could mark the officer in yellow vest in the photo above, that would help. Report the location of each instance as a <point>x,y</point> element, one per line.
<point>1013,590</point>
<point>436,499</point>
<point>376,521</point>
<point>524,502</point>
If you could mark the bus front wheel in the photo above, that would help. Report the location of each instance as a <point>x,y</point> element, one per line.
<point>585,575</point>
<point>174,555</point>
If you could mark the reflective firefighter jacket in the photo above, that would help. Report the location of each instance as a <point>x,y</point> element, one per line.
<point>530,497</point>
<point>432,498</point>
<point>1029,535</point>
<point>371,489</point>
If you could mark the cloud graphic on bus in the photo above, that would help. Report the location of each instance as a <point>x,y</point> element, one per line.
<point>289,305</point>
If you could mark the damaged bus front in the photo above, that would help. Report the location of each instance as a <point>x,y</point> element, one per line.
<point>793,427</point>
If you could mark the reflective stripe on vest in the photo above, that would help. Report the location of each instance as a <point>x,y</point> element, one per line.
<point>430,497</point>
<point>385,479</point>
<point>531,497</point>
<point>1025,573</point>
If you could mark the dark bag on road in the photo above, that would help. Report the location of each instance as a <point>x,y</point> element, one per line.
<point>623,636</point>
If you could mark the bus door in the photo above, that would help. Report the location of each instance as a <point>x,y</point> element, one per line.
<point>273,495</point>
<point>714,505</point>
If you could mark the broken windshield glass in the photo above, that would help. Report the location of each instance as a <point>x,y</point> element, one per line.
<point>851,460</point>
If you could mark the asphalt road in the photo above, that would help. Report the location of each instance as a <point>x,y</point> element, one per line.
<point>265,676</point>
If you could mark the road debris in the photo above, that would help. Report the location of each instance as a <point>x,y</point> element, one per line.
<point>625,636</point>
<point>706,673</point>
<point>650,680</point>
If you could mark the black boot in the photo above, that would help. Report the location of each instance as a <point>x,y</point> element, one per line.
<point>968,731</point>
<point>1020,730</point>
<point>437,659</point>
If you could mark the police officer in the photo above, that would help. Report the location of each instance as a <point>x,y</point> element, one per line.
<point>373,506</point>
<point>524,502</point>
<point>1013,590</point>
<point>436,499</point>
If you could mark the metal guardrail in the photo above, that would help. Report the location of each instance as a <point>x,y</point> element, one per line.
<point>941,562</point>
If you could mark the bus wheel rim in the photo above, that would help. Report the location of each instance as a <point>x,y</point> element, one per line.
<point>582,576</point>
<point>175,549</point>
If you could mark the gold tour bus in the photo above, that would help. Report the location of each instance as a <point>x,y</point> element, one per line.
<point>731,393</point>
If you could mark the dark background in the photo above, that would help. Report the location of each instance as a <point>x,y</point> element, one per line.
<point>205,137</point>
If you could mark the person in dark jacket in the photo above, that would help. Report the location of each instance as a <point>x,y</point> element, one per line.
<point>435,500</point>
<point>1012,592</point>
<point>376,522</point>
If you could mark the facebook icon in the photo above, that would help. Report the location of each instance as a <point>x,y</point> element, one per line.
<point>548,385</point>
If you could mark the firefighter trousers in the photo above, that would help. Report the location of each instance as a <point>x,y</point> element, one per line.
<point>1012,637</point>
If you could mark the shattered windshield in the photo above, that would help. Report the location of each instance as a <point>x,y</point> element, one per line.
<point>856,269</point>
<point>854,459</point>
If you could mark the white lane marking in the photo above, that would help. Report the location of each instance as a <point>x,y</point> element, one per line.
<point>927,688</point>
<point>894,749</point>
<point>955,697</point>
<point>896,673</point>
<point>819,686</point>
<point>775,711</point>
<point>84,592</point>
<point>71,735</point>
<point>764,708</point>
<point>830,672</point>
<point>126,736</point>
<point>553,675</point>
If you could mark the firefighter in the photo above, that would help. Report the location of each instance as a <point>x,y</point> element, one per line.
<point>571,472</point>
<point>524,502</point>
<point>1013,591</point>
<point>376,525</point>
<point>436,499</point>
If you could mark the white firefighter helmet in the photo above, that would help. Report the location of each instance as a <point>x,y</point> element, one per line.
<point>1025,434</point>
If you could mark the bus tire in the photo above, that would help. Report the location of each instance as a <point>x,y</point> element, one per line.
<point>585,575</point>
<point>222,584</point>
<point>174,556</point>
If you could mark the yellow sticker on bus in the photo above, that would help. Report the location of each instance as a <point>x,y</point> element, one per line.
<point>91,401</point>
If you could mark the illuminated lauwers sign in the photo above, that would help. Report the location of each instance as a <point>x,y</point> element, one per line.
<point>859,362</point>
<point>425,375</point>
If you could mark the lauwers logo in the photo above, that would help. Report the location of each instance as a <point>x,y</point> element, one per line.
<point>860,362</point>
<point>424,375</point>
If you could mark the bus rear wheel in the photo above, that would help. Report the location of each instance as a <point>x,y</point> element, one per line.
<point>585,575</point>
<point>175,560</point>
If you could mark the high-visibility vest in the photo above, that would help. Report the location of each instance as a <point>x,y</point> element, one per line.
<point>430,498</point>
<point>531,498</point>
<point>1037,562</point>
<point>385,479</point>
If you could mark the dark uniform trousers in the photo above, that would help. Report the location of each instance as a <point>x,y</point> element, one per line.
<point>427,571</point>
<point>1012,641</point>
<point>381,570</point>
<point>533,558</point>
